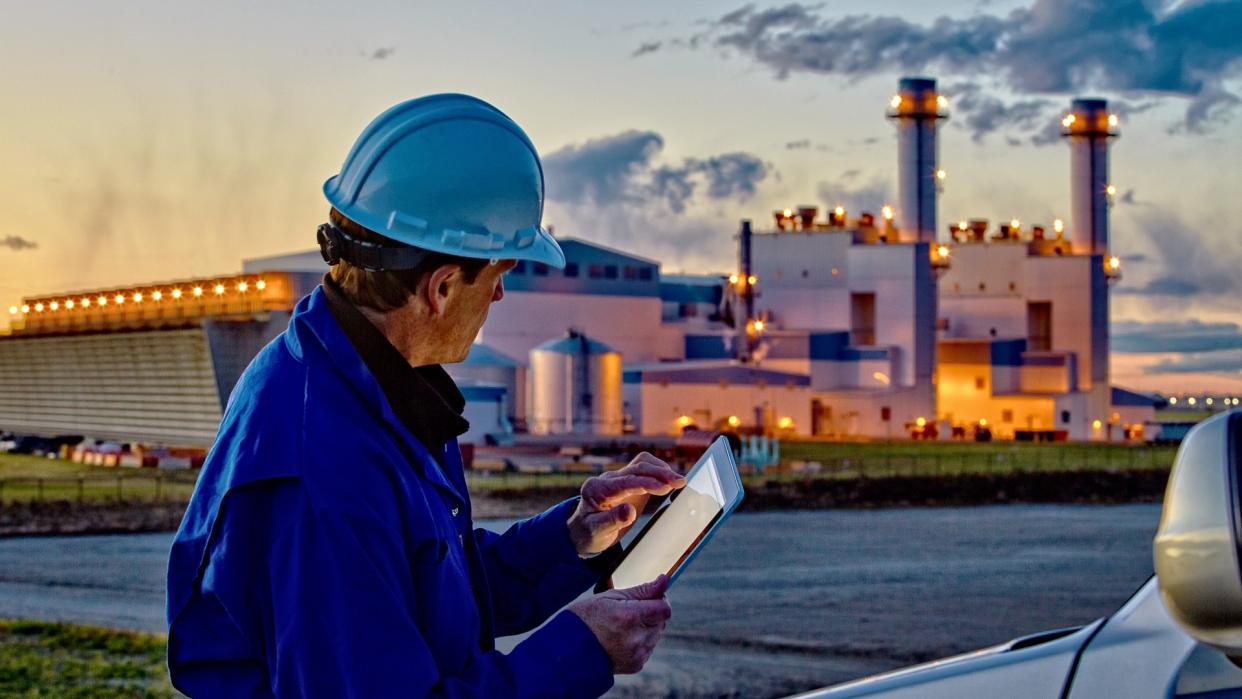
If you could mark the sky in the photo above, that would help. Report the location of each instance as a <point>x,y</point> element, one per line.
<point>149,141</point>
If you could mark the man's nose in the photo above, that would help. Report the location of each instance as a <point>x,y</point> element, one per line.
<point>500,290</point>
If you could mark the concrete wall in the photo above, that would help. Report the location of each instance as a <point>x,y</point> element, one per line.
<point>628,324</point>
<point>849,414</point>
<point>657,407</point>
<point>156,387</point>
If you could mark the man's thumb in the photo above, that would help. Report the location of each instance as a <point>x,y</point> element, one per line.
<point>648,590</point>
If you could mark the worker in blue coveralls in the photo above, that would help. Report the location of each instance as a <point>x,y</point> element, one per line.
<point>329,550</point>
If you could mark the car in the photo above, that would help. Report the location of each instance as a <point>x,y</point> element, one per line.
<point>1174,637</point>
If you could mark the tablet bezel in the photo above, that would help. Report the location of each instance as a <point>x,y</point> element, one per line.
<point>731,486</point>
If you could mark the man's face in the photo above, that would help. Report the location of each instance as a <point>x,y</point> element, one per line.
<point>466,313</point>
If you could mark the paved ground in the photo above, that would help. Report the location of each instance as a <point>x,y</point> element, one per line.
<point>778,603</point>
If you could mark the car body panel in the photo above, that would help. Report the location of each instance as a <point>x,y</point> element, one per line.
<point>1017,670</point>
<point>1138,653</point>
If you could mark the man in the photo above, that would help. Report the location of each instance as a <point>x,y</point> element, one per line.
<point>329,549</point>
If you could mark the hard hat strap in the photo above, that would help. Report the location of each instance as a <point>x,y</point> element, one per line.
<point>336,245</point>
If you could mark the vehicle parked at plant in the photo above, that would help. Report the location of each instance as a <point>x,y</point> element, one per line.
<point>1180,635</point>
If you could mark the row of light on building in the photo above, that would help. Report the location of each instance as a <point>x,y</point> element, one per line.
<point>176,293</point>
<point>1206,401</point>
<point>941,101</point>
<point>1070,120</point>
<point>734,421</point>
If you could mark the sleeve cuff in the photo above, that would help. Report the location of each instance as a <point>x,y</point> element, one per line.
<point>564,655</point>
<point>551,530</point>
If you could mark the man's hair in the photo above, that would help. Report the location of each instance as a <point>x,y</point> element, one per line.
<point>388,290</point>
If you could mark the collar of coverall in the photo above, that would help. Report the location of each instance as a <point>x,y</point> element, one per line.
<point>424,398</point>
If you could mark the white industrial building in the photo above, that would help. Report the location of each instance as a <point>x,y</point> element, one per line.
<point>833,324</point>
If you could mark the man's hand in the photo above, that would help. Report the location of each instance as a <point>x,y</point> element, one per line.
<point>628,623</point>
<point>611,502</point>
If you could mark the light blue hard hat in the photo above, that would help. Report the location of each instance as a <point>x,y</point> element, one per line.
<point>448,173</point>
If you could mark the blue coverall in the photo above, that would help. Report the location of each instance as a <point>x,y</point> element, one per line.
<point>327,553</point>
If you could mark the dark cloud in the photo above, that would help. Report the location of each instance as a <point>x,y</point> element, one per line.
<point>984,113</point>
<point>604,170</point>
<point>1153,47</point>
<point>867,195</point>
<point>617,191</point>
<point>1165,286</point>
<point>16,242</point>
<point>621,169</point>
<point>1187,336</point>
<point>1188,264</point>
<point>646,48</point>
<point>1228,362</point>
<point>382,53</point>
<point>1127,197</point>
<point>799,144</point>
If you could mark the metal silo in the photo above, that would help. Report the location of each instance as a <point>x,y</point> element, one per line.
<point>575,387</point>
<point>489,365</point>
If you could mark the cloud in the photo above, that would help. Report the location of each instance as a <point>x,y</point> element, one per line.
<point>799,144</point>
<point>1051,47</point>
<point>855,195</point>
<point>1187,336</point>
<point>1228,362</point>
<point>382,53</point>
<point>621,169</point>
<point>1188,264</point>
<point>646,48</point>
<point>1164,286</point>
<point>617,189</point>
<point>17,243</point>
<point>984,113</point>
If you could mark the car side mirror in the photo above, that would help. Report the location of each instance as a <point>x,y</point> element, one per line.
<point>1197,556</point>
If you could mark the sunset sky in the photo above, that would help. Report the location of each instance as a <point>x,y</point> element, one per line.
<point>143,141</point>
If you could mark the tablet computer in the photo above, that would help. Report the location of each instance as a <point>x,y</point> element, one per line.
<point>683,524</point>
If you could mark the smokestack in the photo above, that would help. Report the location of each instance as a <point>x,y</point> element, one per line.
<point>916,109</point>
<point>745,292</point>
<point>1088,127</point>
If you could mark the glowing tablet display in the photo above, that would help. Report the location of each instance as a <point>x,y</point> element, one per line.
<point>674,531</point>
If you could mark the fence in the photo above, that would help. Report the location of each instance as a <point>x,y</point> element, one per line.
<point>816,460</point>
<point>800,463</point>
<point>160,486</point>
<point>965,463</point>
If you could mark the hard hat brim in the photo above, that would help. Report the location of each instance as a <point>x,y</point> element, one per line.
<point>534,244</point>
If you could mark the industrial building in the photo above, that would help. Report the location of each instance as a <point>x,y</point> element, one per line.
<point>833,324</point>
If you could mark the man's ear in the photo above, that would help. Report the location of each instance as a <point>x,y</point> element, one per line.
<point>440,285</point>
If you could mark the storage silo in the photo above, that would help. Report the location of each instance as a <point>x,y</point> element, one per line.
<point>487,365</point>
<point>575,387</point>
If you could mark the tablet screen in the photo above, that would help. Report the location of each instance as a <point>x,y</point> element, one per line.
<point>675,529</point>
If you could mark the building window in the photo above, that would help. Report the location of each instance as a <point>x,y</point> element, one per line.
<point>646,274</point>
<point>610,271</point>
<point>862,318</point>
<point>540,269</point>
<point>1065,417</point>
<point>1007,416</point>
<point>519,268</point>
<point>595,271</point>
<point>979,383</point>
<point>1039,326</point>
<point>886,414</point>
<point>688,310</point>
<point>571,269</point>
<point>631,272</point>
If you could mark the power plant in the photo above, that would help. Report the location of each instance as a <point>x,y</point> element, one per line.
<point>834,324</point>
